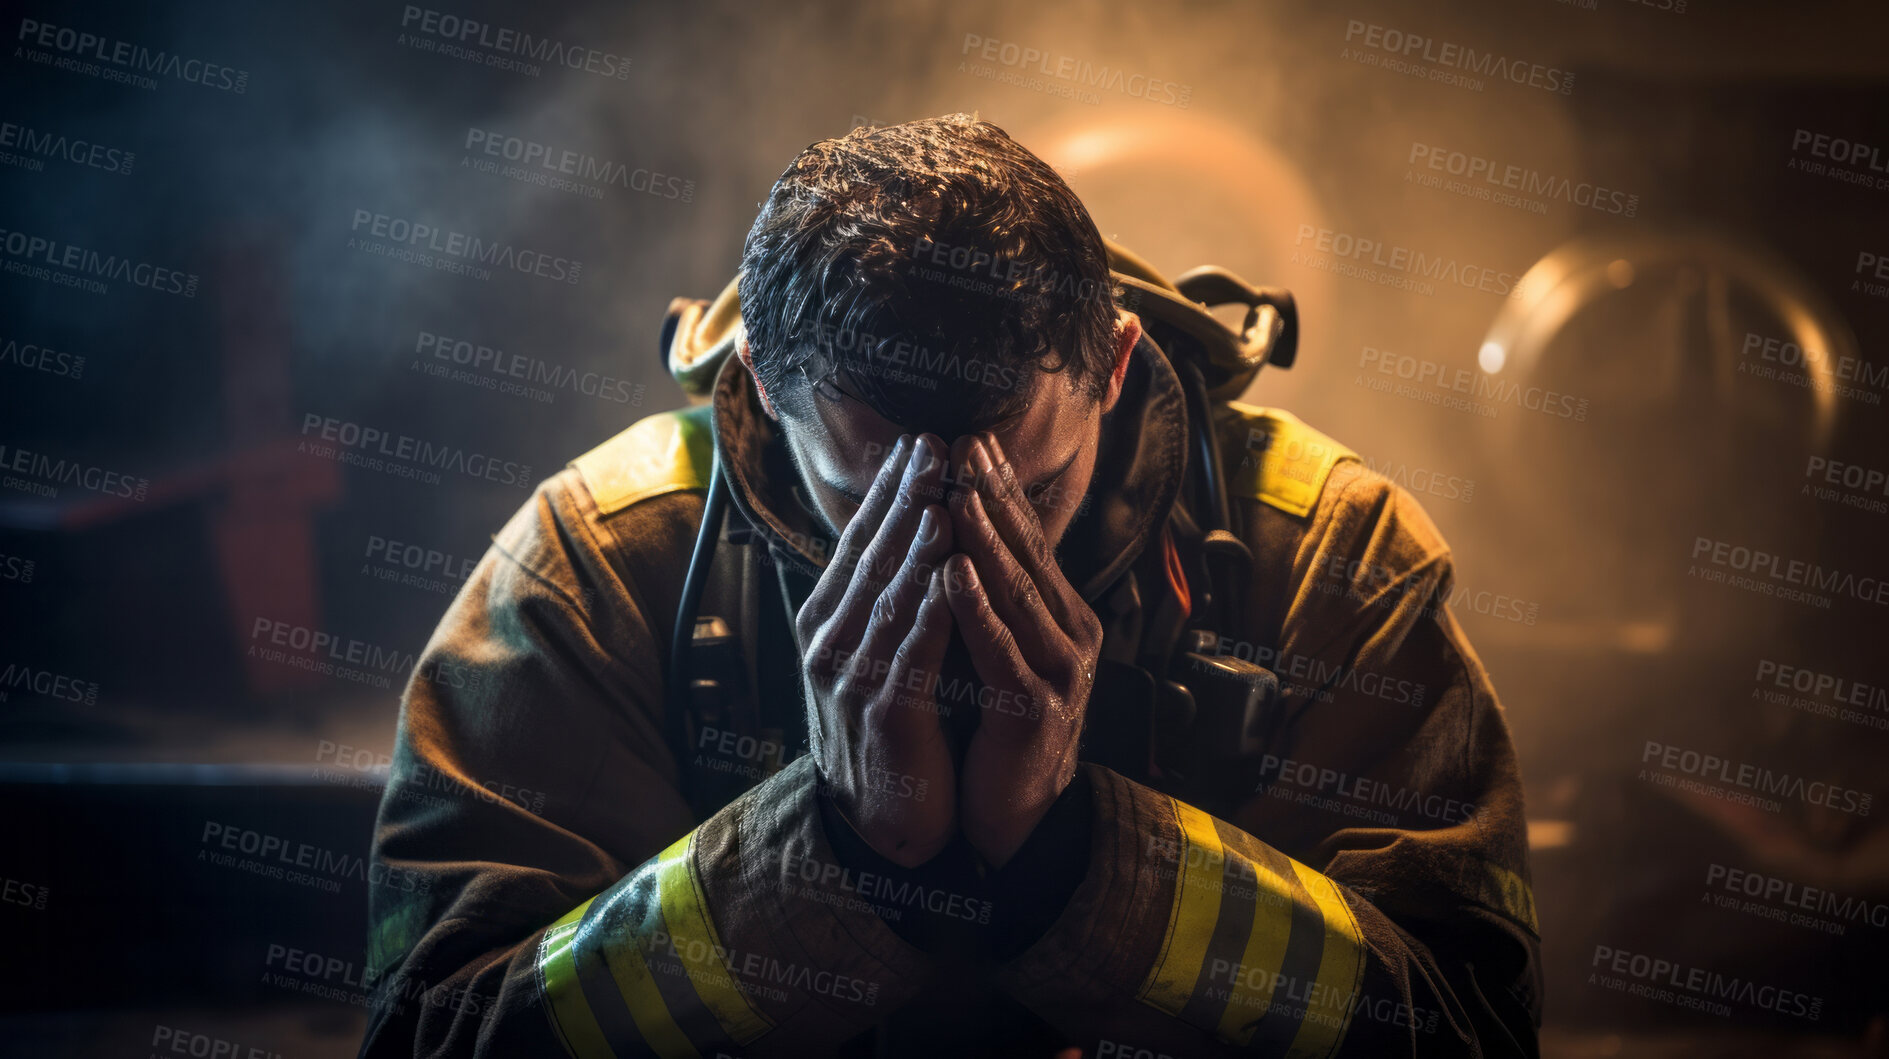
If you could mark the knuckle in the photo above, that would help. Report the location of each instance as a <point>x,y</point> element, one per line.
<point>1023,593</point>
<point>1005,639</point>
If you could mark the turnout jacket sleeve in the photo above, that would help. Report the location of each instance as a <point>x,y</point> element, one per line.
<point>566,899</point>
<point>1370,896</point>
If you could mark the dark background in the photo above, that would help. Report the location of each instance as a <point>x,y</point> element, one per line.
<point>120,933</point>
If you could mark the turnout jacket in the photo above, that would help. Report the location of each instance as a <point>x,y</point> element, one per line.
<point>1367,894</point>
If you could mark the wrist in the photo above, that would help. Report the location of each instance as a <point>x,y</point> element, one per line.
<point>999,822</point>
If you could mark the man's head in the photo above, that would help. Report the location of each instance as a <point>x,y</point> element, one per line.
<point>932,277</point>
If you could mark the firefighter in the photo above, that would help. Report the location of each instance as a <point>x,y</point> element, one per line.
<point>955,466</point>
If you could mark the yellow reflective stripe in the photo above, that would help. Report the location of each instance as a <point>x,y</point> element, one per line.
<point>1284,462</point>
<point>698,945</point>
<point>1259,969</point>
<point>640,995</point>
<point>571,1016</point>
<point>1505,890</point>
<point>1197,890</point>
<point>1328,1011</point>
<point>663,453</point>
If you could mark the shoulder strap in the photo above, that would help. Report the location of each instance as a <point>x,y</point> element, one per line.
<point>665,453</point>
<point>1283,462</point>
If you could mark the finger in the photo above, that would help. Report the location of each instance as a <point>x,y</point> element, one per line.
<point>895,610</point>
<point>831,586</point>
<point>992,647</point>
<point>1013,594</point>
<point>920,657</point>
<point>879,566</point>
<point>1010,511</point>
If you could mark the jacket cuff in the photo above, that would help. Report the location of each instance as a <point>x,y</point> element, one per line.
<point>825,965</point>
<point>740,938</point>
<point>1190,916</point>
<point>1031,891</point>
<point>941,906</point>
<point>952,904</point>
<point>1110,931</point>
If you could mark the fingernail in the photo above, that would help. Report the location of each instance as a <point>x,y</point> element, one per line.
<point>996,448</point>
<point>980,457</point>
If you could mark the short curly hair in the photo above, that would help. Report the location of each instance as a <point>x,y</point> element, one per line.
<point>937,264</point>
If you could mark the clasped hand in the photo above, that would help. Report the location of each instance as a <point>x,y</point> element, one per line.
<point>946,545</point>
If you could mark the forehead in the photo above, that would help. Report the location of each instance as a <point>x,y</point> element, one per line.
<point>851,434</point>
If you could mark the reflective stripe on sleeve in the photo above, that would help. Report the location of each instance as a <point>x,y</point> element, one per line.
<point>640,968</point>
<point>1176,971</point>
<point>1260,949</point>
<point>699,947</point>
<point>1340,970</point>
<point>571,1016</point>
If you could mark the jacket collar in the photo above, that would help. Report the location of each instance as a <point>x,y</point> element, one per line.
<point>1137,473</point>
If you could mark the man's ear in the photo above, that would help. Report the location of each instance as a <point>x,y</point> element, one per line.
<point>747,361</point>
<point>1127,334</point>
